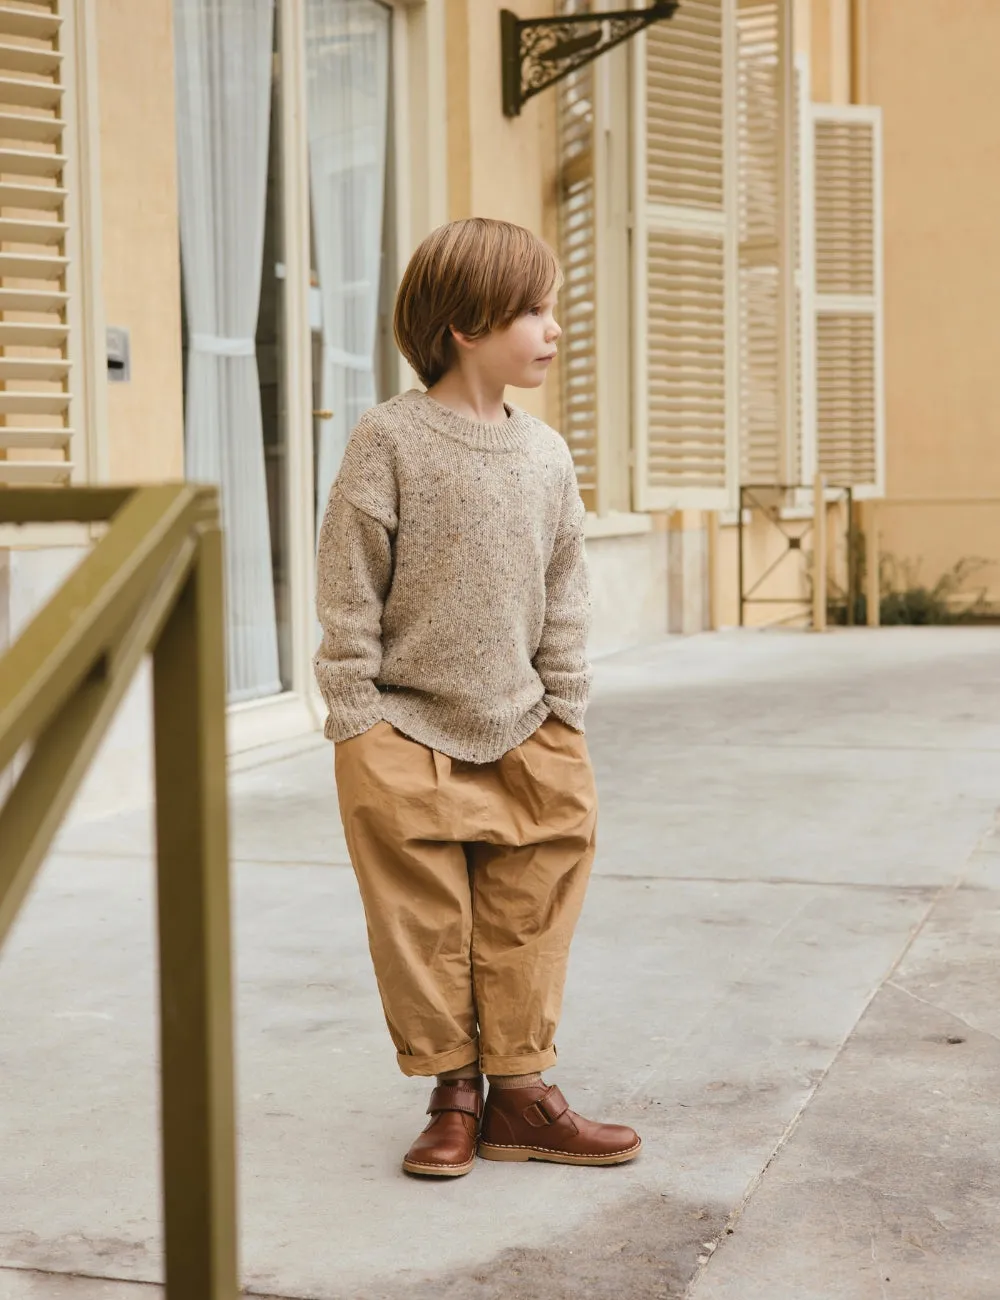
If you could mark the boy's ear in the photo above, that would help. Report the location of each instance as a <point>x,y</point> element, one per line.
<point>461,339</point>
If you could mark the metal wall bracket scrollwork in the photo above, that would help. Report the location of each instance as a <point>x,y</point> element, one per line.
<point>538,52</point>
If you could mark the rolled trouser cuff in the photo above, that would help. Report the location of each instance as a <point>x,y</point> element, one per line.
<point>424,1066</point>
<point>526,1063</point>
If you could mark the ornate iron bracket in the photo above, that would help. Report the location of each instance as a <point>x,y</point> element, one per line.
<point>538,52</point>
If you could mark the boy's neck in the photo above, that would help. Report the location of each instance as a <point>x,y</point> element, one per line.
<point>470,396</point>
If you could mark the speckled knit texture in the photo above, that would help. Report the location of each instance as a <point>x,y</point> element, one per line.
<point>451,574</point>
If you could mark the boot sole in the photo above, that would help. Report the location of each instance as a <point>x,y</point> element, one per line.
<point>439,1171</point>
<point>490,1152</point>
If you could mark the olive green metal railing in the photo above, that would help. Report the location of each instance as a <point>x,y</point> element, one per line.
<point>152,583</point>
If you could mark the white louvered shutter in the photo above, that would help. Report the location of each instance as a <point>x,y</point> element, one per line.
<point>34,332</point>
<point>848,399</point>
<point>578,249</point>
<point>685,329</point>
<point>765,120</point>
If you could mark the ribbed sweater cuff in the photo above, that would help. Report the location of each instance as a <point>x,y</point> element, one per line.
<point>353,710</point>
<point>569,711</point>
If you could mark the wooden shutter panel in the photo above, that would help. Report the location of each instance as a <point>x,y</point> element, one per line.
<point>34,331</point>
<point>766,322</point>
<point>847,296</point>
<point>578,249</point>
<point>685,260</point>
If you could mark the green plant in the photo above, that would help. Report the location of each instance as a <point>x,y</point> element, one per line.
<point>906,600</point>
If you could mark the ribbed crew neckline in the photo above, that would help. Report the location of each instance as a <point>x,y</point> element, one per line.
<point>506,435</point>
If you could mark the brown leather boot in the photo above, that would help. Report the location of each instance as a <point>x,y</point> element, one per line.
<point>536,1123</point>
<point>447,1146</point>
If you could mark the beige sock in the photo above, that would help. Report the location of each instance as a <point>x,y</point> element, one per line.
<point>516,1081</point>
<point>469,1072</point>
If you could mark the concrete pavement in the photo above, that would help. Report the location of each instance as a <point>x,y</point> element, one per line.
<point>785,977</point>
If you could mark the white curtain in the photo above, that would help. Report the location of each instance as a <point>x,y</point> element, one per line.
<point>347,50</point>
<point>223,75</point>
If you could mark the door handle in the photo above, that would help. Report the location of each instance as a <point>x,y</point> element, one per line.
<point>323,415</point>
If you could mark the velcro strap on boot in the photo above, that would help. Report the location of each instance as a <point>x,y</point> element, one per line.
<point>552,1105</point>
<point>448,1097</point>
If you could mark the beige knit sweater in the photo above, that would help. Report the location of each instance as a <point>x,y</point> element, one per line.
<point>452,587</point>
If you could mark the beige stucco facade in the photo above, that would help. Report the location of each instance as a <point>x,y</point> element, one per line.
<point>140,242</point>
<point>457,154</point>
<point>942,265</point>
<point>507,168</point>
<point>492,166</point>
<point>929,66</point>
<point>497,166</point>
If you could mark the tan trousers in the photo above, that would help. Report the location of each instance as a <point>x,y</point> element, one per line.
<point>472,878</point>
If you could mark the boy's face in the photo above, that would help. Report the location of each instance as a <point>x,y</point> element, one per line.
<point>519,356</point>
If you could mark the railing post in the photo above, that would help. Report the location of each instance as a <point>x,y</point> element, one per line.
<point>873,560</point>
<point>819,553</point>
<point>198,1124</point>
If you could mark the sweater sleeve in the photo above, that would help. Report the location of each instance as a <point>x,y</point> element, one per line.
<point>353,575</point>
<point>561,660</point>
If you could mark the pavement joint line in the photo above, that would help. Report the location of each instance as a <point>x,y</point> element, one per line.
<point>887,981</point>
<point>237,769</point>
<point>944,1011</point>
<point>294,746</point>
<point>736,1214</point>
<point>915,890</point>
<point>144,855</point>
<point>755,1182</point>
<point>117,855</point>
<point>153,1287</point>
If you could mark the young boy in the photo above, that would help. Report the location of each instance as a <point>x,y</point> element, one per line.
<point>454,603</point>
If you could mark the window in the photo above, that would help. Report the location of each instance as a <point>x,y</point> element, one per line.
<point>593,220</point>
<point>765,172</point>
<point>846,442</point>
<point>684,260</point>
<point>756,265</point>
<point>348,77</point>
<point>288,228</point>
<point>578,249</point>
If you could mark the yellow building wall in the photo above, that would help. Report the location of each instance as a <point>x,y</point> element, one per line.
<point>942,265</point>
<point>942,258</point>
<point>942,255</point>
<point>942,275</point>
<point>497,166</point>
<point>141,248</point>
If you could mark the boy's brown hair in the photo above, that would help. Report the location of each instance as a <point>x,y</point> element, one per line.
<point>477,275</point>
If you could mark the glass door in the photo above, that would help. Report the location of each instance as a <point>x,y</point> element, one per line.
<point>348,92</point>
<point>224,62</point>
<point>282,379</point>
